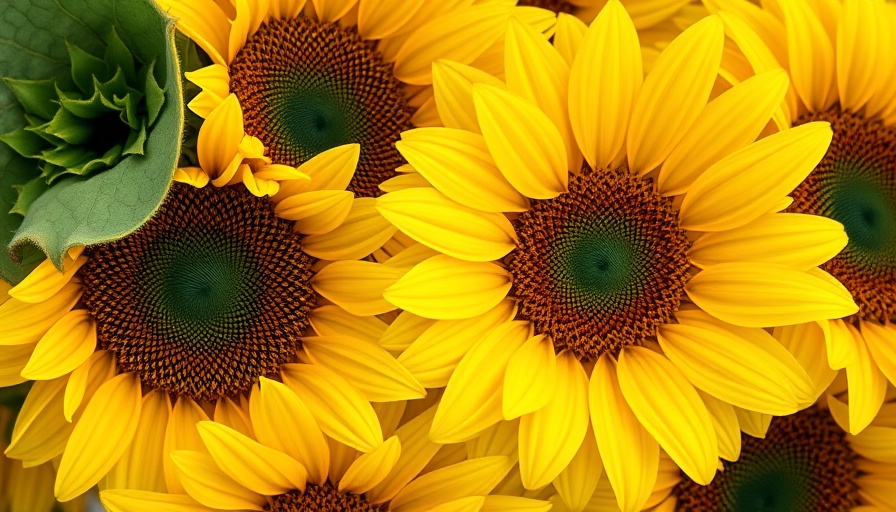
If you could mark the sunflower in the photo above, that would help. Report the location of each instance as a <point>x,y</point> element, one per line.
<point>806,462</point>
<point>839,56</point>
<point>629,294</point>
<point>313,75</point>
<point>282,462</point>
<point>138,339</point>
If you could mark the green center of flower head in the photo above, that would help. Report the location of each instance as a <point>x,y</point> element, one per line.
<point>864,201</point>
<point>803,464</point>
<point>600,262</point>
<point>602,266</point>
<point>213,292</point>
<point>306,86</point>
<point>88,123</point>
<point>855,184</point>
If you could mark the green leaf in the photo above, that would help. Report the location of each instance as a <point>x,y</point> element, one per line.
<point>26,143</point>
<point>16,171</point>
<point>27,194</point>
<point>86,66</point>
<point>110,204</point>
<point>37,97</point>
<point>119,56</point>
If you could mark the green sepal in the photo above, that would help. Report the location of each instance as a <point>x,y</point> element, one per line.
<point>119,56</point>
<point>37,97</point>
<point>155,95</point>
<point>136,142</point>
<point>90,108</point>
<point>66,156</point>
<point>86,66</point>
<point>42,130</point>
<point>128,107</point>
<point>115,86</point>
<point>24,142</point>
<point>28,193</point>
<point>70,128</point>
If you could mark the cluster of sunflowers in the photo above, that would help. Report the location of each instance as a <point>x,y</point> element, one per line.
<point>448,255</point>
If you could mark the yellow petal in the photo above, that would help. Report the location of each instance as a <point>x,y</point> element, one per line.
<point>220,136</point>
<point>537,72</point>
<point>749,182</point>
<point>755,373</point>
<point>523,393</point>
<point>86,379</point>
<point>214,79</point>
<point>12,360</point>
<point>341,412</point>
<point>332,10</point>
<point>674,93</point>
<point>332,169</point>
<point>805,342</point>
<point>333,320</point>
<point>40,432</point>
<point>193,176</point>
<point>378,19</point>
<point>459,36</point>
<point>369,469</point>
<point>881,342</point>
<point>474,477</point>
<point>141,466</point>
<point>792,239</point>
<point>433,355</point>
<point>811,56</point>
<point>766,294</point>
<point>513,504</point>
<point>203,22</point>
<point>728,123</point>
<point>453,89</point>
<point>458,164</point>
<point>279,172</point>
<point>66,346</point>
<point>468,504</point>
<point>568,36</point>
<point>255,466</point>
<point>576,484</point>
<point>629,453</point>
<point>181,434</point>
<point>524,142</point>
<point>403,332</point>
<point>472,399</point>
<point>206,483</point>
<point>464,288</point>
<point>867,386</point>
<point>274,405</point>
<point>671,410</point>
<point>841,350</point>
<point>362,231</point>
<point>46,280</point>
<point>101,437</point>
<point>127,500</point>
<point>753,423</point>
<point>416,451</point>
<point>22,322</point>
<point>858,70</point>
<point>724,421</point>
<point>366,366</point>
<point>600,109</point>
<point>551,436</point>
<point>433,219</point>
<point>316,212</point>
<point>357,286</point>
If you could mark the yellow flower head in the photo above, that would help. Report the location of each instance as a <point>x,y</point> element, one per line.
<point>139,339</point>
<point>282,462</point>
<point>627,296</point>
<point>839,58</point>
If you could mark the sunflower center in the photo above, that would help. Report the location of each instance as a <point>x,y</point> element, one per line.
<point>557,6</point>
<point>855,184</point>
<point>306,86</point>
<point>322,498</point>
<point>804,464</point>
<point>602,266</point>
<point>207,296</point>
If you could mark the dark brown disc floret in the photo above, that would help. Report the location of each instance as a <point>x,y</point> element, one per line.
<point>211,293</point>
<point>322,498</point>
<point>306,86</point>
<point>602,266</point>
<point>557,6</point>
<point>804,464</point>
<point>855,184</point>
